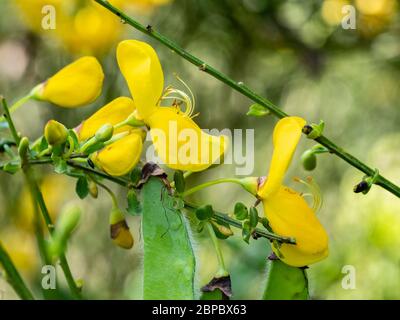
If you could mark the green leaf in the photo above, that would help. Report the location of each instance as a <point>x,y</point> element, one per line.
<point>204,212</point>
<point>253,219</point>
<point>12,167</point>
<point>285,282</point>
<point>246,231</point>
<point>169,262</point>
<point>179,181</point>
<point>82,187</point>
<point>134,207</point>
<point>257,110</point>
<point>240,211</point>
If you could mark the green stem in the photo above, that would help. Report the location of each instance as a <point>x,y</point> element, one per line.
<point>7,117</point>
<point>18,104</point>
<point>38,196</point>
<point>222,217</point>
<point>246,91</point>
<point>13,276</point>
<point>218,216</point>
<point>222,272</point>
<point>112,195</point>
<point>210,183</point>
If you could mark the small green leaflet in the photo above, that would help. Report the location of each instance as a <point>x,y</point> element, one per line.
<point>82,187</point>
<point>257,110</point>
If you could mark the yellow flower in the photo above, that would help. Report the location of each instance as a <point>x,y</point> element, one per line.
<point>112,113</point>
<point>178,140</point>
<point>77,84</point>
<point>82,27</point>
<point>286,210</point>
<point>119,157</point>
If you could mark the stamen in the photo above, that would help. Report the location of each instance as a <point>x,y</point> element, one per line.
<point>181,96</point>
<point>315,192</point>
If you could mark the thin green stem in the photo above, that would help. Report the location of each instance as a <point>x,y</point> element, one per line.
<point>210,183</point>
<point>13,277</point>
<point>38,196</point>
<point>222,217</point>
<point>18,104</point>
<point>109,191</point>
<point>222,272</point>
<point>7,117</point>
<point>217,215</point>
<point>246,91</point>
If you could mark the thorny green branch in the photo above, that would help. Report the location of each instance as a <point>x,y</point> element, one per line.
<point>246,91</point>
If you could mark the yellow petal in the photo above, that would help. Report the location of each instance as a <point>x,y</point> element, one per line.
<point>286,136</point>
<point>112,113</point>
<point>121,156</point>
<point>77,84</point>
<point>181,144</point>
<point>289,215</point>
<point>142,70</point>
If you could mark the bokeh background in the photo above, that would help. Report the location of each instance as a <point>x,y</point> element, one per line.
<point>294,52</point>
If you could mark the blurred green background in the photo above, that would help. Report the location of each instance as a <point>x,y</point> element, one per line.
<point>293,52</point>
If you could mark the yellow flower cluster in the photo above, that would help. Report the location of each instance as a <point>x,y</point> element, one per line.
<point>82,27</point>
<point>118,130</point>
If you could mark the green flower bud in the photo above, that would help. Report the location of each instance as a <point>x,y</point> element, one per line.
<point>93,190</point>
<point>309,160</point>
<point>66,224</point>
<point>105,133</point>
<point>23,147</point>
<point>55,133</point>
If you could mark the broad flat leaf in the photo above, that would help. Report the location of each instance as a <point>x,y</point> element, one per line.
<point>285,282</point>
<point>82,187</point>
<point>169,262</point>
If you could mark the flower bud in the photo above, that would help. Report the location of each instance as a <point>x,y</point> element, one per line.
<point>105,133</point>
<point>309,160</point>
<point>55,133</point>
<point>119,230</point>
<point>23,147</point>
<point>221,229</point>
<point>77,84</point>
<point>93,190</point>
<point>66,224</point>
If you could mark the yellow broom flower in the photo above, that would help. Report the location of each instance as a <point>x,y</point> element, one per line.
<point>286,210</point>
<point>178,140</point>
<point>120,156</point>
<point>77,84</point>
